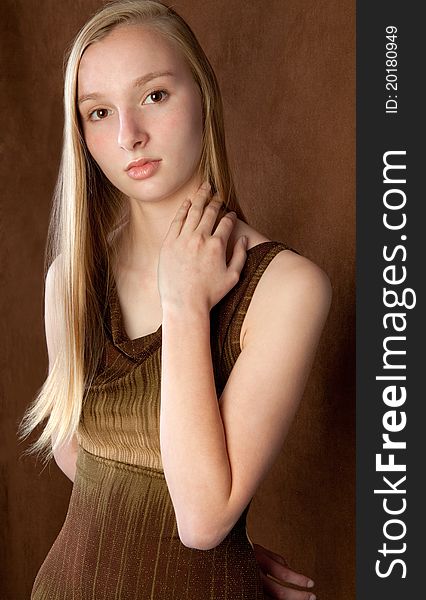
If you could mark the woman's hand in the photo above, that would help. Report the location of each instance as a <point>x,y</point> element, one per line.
<point>192,269</point>
<point>276,565</point>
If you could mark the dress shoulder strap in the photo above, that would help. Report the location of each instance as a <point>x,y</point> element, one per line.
<point>228,315</point>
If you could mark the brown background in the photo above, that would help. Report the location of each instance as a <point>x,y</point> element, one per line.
<point>286,68</point>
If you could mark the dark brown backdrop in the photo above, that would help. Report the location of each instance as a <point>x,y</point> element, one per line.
<point>286,68</point>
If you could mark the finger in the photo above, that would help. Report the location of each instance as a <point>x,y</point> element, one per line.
<point>178,220</point>
<point>238,257</point>
<point>282,572</point>
<point>287,575</point>
<point>281,592</point>
<point>225,226</point>
<point>198,202</point>
<point>209,216</point>
<point>260,550</point>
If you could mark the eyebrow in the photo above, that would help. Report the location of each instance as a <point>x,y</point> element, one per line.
<point>135,83</point>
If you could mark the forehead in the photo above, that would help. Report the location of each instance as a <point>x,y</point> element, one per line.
<point>126,53</point>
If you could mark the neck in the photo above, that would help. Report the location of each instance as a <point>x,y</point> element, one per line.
<point>149,222</point>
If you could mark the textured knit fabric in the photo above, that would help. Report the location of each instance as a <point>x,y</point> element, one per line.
<point>120,538</point>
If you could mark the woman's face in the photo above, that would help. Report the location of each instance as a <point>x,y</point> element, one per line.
<point>125,119</point>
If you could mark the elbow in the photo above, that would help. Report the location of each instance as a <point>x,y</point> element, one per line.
<point>66,463</point>
<point>200,542</point>
<point>201,537</point>
<point>60,464</point>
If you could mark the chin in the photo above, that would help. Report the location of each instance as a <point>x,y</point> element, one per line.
<point>158,187</point>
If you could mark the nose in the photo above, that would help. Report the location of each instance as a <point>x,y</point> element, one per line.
<point>131,133</point>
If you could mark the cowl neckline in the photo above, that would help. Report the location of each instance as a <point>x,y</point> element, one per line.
<point>146,344</point>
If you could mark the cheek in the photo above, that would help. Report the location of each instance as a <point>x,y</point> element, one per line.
<point>183,129</point>
<point>97,142</point>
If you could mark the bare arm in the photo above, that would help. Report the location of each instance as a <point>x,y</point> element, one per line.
<point>65,456</point>
<point>217,452</point>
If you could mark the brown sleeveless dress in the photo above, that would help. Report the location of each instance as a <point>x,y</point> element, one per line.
<point>120,539</point>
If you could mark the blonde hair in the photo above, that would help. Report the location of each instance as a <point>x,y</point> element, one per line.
<point>87,212</point>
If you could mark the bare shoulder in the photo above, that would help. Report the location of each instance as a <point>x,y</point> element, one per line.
<point>51,290</point>
<point>292,286</point>
<point>53,270</point>
<point>295,271</point>
<point>52,322</point>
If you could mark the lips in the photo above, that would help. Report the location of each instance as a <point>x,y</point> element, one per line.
<point>140,162</point>
<point>143,170</point>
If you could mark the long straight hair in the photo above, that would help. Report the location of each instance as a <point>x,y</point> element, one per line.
<point>88,211</point>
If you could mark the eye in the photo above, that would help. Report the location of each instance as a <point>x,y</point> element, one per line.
<point>156,93</point>
<point>97,110</point>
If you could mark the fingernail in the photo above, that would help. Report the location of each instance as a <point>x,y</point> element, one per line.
<point>310,583</point>
<point>312,597</point>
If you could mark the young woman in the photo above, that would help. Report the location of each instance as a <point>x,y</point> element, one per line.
<point>157,287</point>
